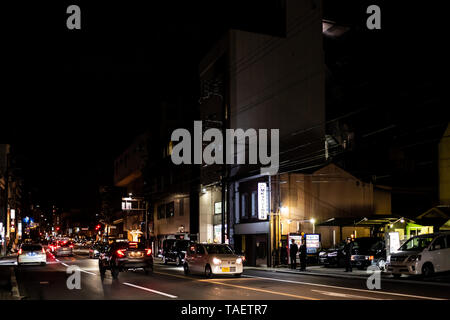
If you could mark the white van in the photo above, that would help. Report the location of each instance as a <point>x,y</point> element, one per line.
<point>422,255</point>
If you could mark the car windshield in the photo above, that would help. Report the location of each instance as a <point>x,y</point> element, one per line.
<point>417,243</point>
<point>129,245</point>
<point>182,245</point>
<point>365,243</point>
<point>218,249</point>
<point>29,247</point>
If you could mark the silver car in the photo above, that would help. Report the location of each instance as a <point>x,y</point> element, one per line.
<point>212,259</point>
<point>63,248</point>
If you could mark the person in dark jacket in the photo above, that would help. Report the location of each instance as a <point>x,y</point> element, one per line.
<point>348,255</point>
<point>302,255</point>
<point>293,249</point>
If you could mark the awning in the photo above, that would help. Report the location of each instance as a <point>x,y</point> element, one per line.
<point>370,221</point>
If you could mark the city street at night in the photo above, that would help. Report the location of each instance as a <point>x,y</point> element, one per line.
<point>168,282</point>
<point>225,159</point>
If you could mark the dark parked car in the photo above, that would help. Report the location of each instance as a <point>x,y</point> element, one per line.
<point>174,250</point>
<point>366,251</point>
<point>124,256</point>
<point>333,257</point>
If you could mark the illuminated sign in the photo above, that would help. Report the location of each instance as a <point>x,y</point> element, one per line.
<point>13,214</point>
<point>312,243</point>
<point>262,201</point>
<point>19,229</point>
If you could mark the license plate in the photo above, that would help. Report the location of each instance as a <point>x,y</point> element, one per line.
<point>226,269</point>
<point>136,254</point>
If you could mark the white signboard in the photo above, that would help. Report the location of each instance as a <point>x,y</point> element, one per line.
<point>19,229</point>
<point>13,214</point>
<point>262,201</point>
<point>394,241</point>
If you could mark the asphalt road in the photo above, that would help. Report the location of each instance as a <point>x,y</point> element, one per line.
<point>168,283</point>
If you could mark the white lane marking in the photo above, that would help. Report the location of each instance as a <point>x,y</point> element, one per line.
<point>150,290</point>
<point>345,288</point>
<point>343,295</point>
<point>15,287</point>
<point>66,265</point>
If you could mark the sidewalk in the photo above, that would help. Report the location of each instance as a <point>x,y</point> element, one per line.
<point>442,280</point>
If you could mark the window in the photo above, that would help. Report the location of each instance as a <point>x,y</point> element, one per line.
<point>244,205</point>
<point>181,210</point>
<point>199,250</point>
<point>253,212</point>
<point>161,211</point>
<point>170,210</point>
<point>217,207</point>
<point>439,243</point>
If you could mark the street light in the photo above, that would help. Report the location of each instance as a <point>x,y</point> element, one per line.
<point>313,221</point>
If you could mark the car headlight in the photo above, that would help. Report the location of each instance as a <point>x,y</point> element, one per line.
<point>414,258</point>
<point>95,251</point>
<point>239,260</point>
<point>217,261</point>
<point>323,253</point>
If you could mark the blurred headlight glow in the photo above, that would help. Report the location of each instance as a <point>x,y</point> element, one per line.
<point>217,261</point>
<point>239,260</point>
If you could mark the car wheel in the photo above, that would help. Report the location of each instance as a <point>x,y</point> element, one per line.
<point>186,269</point>
<point>238,275</point>
<point>114,272</point>
<point>179,262</point>
<point>43,263</point>
<point>427,270</point>
<point>164,260</point>
<point>208,271</point>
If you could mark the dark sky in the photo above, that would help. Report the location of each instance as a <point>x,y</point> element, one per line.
<point>76,99</point>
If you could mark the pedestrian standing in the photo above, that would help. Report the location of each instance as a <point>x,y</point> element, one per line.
<point>303,256</point>
<point>348,248</point>
<point>293,249</point>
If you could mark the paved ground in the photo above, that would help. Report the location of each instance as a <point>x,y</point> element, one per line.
<point>169,283</point>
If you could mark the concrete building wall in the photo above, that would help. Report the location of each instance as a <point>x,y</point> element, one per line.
<point>278,82</point>
<point>207,202</point>
<point>444,168</point>
<point>171,225</point>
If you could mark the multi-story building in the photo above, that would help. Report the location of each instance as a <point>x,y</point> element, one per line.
<point>128,175</point>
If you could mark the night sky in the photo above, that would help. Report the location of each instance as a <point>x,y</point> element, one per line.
<point>75,100</point>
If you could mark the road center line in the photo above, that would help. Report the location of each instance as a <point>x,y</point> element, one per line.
<point>346,288</point>
<point>150,290</point>
<point>344,295</point>
<point>260,290</point>
<point>217,281</point>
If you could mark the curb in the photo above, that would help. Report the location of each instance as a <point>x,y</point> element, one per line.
<point>312,273</point>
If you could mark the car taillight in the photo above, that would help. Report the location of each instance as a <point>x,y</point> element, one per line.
<point>20,251</point>
<point>120,253</point>
<point>148,251</point>
<point>71,246</point>
<point>371,258</point>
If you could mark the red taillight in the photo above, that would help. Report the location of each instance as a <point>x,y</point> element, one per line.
<point>148,251</point>
<point>71,246</point>
<point>20,251</point>
<point>120,253</point>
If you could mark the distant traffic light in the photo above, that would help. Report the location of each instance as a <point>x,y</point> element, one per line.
<point>97,227</point>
